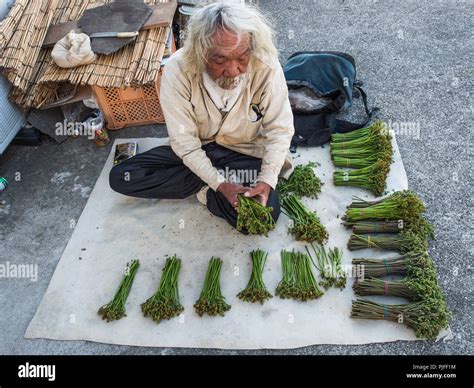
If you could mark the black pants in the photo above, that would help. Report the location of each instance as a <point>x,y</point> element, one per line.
<point>160,173</point>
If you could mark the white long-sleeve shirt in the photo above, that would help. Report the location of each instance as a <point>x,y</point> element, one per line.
<point>193,119</point>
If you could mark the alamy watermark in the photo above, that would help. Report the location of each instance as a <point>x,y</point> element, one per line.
<point>68,128</point>
<point>404,128</point>
<point>239,176</point>
<point>19,271</point>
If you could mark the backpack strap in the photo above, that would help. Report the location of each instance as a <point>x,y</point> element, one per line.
<point>343,126</point>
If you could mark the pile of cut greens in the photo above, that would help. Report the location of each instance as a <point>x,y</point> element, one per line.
<point>368,151</point>
<point>253,217</point>
<point>329,265</point>
<point>298,281</point>
<point>305,224</point>
<point>256,291</point>
<point>211,301</point>
<point>302,182</point>
<point>395,223</point>
<point>164,303</point>
<point>115,309</point>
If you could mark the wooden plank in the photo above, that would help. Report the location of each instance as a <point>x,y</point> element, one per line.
<point>162,16</point>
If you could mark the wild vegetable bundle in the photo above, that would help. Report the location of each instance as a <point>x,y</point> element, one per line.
<point>253,217</point>
<point>164,303</point>
<point>396,266</point>
<point>330,267</point>
<point>369,150</point>
<point>426,317</point>
<point>302,182</point>
<point>401,205</point>
<point>419,226</point>
<point>392,223</point>
<point>372,178</point>
<point>306,225</point>
<point>402,242</point>
<point>115,309</point>
<point>211,301</point>
<point>298,281</point>
<point>420,282</point>
<point>256,291</point>
<point>411,288</point>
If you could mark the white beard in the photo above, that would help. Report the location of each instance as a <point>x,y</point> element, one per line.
<point>229,83</point>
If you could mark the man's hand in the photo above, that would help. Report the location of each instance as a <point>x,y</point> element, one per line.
<point>261,190</point>
<point>230,191</point>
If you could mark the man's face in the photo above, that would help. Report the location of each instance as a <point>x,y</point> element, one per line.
<point>228,59</point>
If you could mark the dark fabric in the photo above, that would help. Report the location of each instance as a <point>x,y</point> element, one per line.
<point>326,71</point>
<point>329,75</point>
<point>160,173</point>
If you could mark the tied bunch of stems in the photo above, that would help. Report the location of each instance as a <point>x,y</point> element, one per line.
<point>419,226</point>
<point>396,266</point>
<point>306,225</point>
<point>367,150</point>
<point>399,217</point>
<point>411,288</point>
<point>401,205</point>
<point>302,182</point>
<point>256,291</point>
<point>420,281</point>
<point>372,178</point>
<point>298,281</point>
<point>330,267</point>
<point>115,309</point>
<point>403,242</point>
<point>428,313</point>
<point>253,217</point>
<point>164,303</point>
<point>426,317</point>
<point>211,301</point>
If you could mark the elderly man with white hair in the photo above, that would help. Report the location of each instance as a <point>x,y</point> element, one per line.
<point>226,107</point>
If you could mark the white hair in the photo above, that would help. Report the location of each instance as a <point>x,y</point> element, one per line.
<point>239,19</point>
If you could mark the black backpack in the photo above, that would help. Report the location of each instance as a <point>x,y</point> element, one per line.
<point>321,84</point>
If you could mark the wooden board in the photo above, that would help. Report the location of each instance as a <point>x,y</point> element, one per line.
<point>162,16</point>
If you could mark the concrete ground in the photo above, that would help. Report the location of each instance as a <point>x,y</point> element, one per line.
<point>415,62</point>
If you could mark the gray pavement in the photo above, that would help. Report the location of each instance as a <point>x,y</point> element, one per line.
<point>415,61</point>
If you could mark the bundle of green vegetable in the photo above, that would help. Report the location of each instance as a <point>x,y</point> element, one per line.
<point>286,288</point>
<point>420,282</point>
<point>426,317</point>
<point>420,226</point>
<point>402,242</point>
<point>253,217</point>
<point>164,303</point>
<point>399,217</point>
<point>369,150</point>
<point>115,309</point>
<point>411,288</point>
<point>256,291</point>
<point>306,225</point>
<point>298,280</point>
<point>397,266</point>
<point>376,128</point>
<point>302,182</point>
<point>401,205</point>
<point>372,178</point>
<point>330,267</point>
<point>211,301</point>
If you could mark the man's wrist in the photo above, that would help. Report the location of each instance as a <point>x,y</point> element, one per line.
<point>265,183</point>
